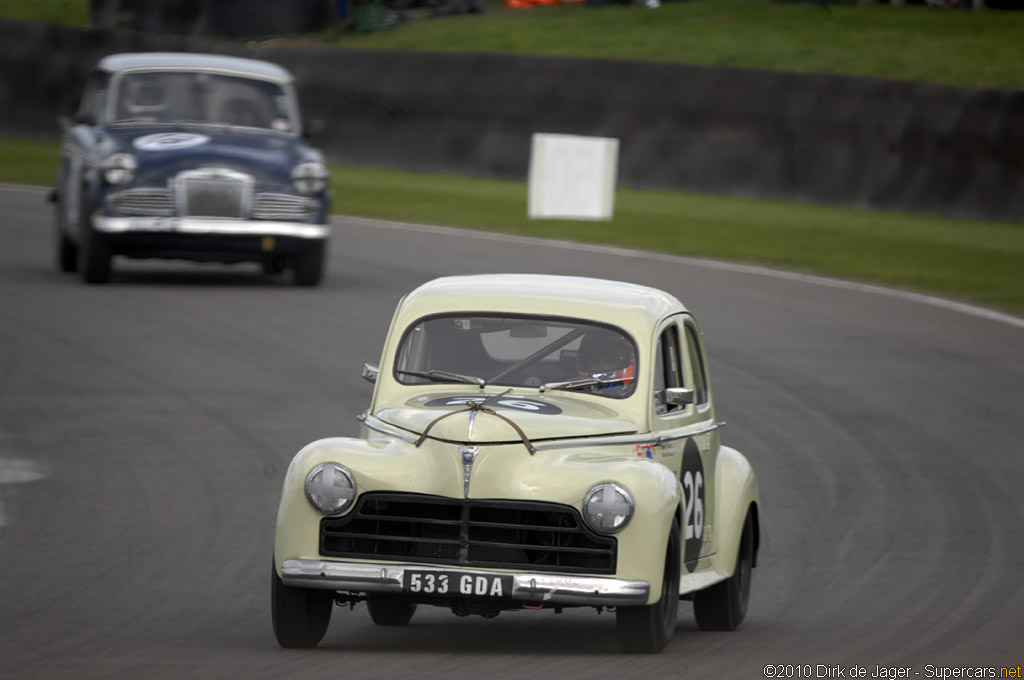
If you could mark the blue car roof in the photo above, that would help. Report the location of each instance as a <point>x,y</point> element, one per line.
<point>189,61</point>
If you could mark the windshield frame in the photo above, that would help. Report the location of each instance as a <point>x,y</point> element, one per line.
<point>114,94</point>
<point>532,317</point>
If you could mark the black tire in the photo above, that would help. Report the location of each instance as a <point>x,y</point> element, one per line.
<point>67,253</point>
<point>723,605</point>
<point>391,611</point>
<point>309,265</point>
<point>649,628</point>
<point>95,257</point>
<point>65,249</point>
<point>300,615</point>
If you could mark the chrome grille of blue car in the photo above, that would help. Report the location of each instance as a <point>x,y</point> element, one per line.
<point>283,207</point>
<point>213,192</point>
<point>471,533</point>
<point>142,202</point>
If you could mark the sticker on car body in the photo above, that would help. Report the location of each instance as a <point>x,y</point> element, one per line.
<point>692,478</point>
<point>516,403</point>
<point>170,141</point>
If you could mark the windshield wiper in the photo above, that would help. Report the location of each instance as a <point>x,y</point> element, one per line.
<point>445,376</point>
<point>582,382</point>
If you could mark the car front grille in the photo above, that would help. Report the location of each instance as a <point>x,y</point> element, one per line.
<point>472,533</point>
<point>283,207</point>
<point>143,202</point>
<point>211,192</point>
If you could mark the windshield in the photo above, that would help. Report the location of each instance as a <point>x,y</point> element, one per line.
<point>518,351</point>
<point>197,97</point>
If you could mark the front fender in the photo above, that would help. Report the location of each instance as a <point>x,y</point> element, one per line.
<point>737,493</point>
<point>376,465</point>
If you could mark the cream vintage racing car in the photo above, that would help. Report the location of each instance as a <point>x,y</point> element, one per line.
<point>532,442</point>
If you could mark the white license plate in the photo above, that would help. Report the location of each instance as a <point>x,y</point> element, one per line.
<point>455,583</point>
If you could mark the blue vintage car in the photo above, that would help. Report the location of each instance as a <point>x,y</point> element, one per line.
<point>190,156</point>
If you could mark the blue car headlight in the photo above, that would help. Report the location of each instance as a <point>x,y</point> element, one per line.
<point>120,168</point>
<point>309,178</point>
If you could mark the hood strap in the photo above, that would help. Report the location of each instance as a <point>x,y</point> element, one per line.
<point>480,407</point>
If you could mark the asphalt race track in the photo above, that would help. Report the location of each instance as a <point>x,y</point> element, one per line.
<point>145,427</point>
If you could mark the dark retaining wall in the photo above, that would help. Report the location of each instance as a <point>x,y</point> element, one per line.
<point>852,141</point>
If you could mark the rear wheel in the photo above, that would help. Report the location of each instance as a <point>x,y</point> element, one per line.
<point>391,611</point>
<point>309,265</point>
<point>723,605</point>
<point>648,629</point>
<point>300,615</point>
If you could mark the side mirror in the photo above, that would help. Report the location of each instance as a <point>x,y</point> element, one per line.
<point>680,396</point>
<point>312,128</point>
<point>369,373</point>
<point>85,118</point>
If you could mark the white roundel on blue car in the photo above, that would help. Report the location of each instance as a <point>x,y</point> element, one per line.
<point>170,141</point>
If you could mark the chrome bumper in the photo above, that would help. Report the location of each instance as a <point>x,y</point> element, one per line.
<point>208,225</point>
<point>365,577</point>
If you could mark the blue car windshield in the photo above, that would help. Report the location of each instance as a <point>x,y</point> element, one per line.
<point>198,97</point>
<point>518,351</point>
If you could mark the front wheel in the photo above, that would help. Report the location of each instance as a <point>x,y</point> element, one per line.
<point>309,265</point>
<point>723,605</point>
<point>648,629</point>
<point>300,615</point>
<point>95,257</point>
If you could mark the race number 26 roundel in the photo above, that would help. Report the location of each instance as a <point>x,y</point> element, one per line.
<point>692,477</point>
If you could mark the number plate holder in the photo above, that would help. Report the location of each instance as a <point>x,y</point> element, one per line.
<point>417,582</point>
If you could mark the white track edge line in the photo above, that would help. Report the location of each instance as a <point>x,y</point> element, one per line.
<point>921,298</point>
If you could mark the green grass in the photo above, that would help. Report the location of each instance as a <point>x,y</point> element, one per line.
<point>29,161</point>
<point>978,261</point>
<point>69,12</point>
<point>975,49</point>
<point>981,49</point>
<point>975,260</point>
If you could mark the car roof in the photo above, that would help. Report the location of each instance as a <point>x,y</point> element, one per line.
<point>192,61</point>
<point>633,307</point>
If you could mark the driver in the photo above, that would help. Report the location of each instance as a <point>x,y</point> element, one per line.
<point>606,355</point>
<point>145,98</point>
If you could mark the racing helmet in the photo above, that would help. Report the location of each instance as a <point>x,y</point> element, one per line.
<point>603,352</point>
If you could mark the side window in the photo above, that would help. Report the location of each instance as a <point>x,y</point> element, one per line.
<point>700,378</point>
<point>668,370</point>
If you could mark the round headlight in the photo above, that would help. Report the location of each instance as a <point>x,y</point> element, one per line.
<point>330,488</point>
<point>309,178</point>
<point>607,508</point>
<point>120,168</point>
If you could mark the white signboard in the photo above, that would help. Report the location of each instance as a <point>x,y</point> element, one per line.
<point>573,177</point>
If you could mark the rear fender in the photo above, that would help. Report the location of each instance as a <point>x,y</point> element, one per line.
<point>737,495</point>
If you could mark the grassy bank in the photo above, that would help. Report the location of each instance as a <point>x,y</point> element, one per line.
<point>979,261</point>
<point>975,49</point>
